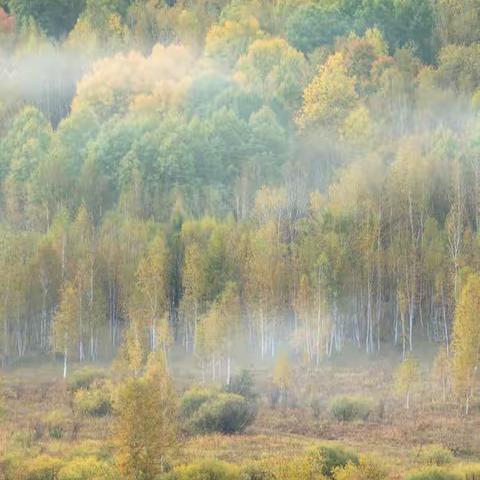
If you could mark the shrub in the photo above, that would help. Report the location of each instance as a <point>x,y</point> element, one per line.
<point>22,439</point>
<point>42,467</point>
<point>85,378</point>
<point>256,472</point>
<point>95,402</point>
<point>433,473</point>
<point>206,470</point>
<point>347,409</point>
<point>86,468</point>
<point>367,469</point>
<point>56,423</point>
<point>90,448</point>
<point>194,399</point>
<point>225,413</point>
<point>316,406</point>
<point>242,384</point>
<point>435,455</point>
<point>286,468</point>
<point>328,458</point>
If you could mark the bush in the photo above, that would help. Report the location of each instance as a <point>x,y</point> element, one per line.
<point>433,473</point>
<point>242,384</point>
<point>86,468</point>
<point>90,448</point>
<point>367,469</point>
<point>42,467</point>
<point>206,470</point>
<point>284,468</point>
<point>95,402</point>
<point>435,455</point>
<point>85,378</point>
<point>56,422</point>
<point>347,409</point>
<point>225,413</point>
<point>316,406</point>
<point>194,399</point>
<point>328,458</point>
<point>256,472</point>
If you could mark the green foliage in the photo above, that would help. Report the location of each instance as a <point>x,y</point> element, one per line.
<point>314,25</point>
<point>228,41</point>
<point>435,455</point>
<point>459,67</point>
<point>95,402</point>
<point>409,21</point>
<point>433,473</point>
<point>348,409</point>
<point>86,468</point>
<point>56,422</point>
<point>193,399</point>
<point>366,469</point>
<point>55,17</point>
<point>226,413</point>
<point>209,411</point>
<point>85,378</point>
<point>256,472</point>
<point>42,467</point>
<point>25,144</point>
<point>242,384</point>
<point>328,458</point>
<point>154,113</point>
<point>206,470</point>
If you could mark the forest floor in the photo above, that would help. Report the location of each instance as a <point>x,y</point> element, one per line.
<point>391,432</point>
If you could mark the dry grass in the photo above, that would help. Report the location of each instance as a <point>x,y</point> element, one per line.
<point>390,433</point>
<point>243,448</point>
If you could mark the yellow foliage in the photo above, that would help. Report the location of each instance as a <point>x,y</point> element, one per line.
<point>330,96</point>
<point>117,83</point>
<point>41,467</point>
<point>358,126</point>
<point>86,468</point>
<point>290,468</point>
<point>283,374</point>
<point>466,338</point>
<point>407,376</point>
<point>367,469</point>
<point>145,426</point>
<point>231,39</point>
<point>375,38</point>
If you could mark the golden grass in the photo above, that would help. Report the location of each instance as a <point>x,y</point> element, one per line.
<point>244,448</point>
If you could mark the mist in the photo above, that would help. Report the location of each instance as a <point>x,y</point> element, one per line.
<point>242,235</point>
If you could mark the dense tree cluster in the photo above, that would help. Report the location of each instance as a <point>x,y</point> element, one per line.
<point>290,172</point>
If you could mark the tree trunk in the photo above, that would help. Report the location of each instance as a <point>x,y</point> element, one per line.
<point>65,359</point>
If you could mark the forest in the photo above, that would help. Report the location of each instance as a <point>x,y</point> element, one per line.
<point>215,214</point>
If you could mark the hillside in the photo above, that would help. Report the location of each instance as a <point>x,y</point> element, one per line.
<point>190,190</point>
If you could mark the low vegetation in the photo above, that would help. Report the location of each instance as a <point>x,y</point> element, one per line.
<point>206,411</point>
<point>95,401</point>
<point>239,239</point>
<point>347,409</point>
